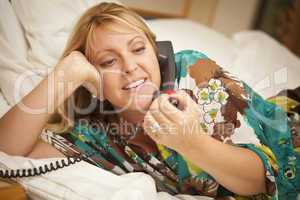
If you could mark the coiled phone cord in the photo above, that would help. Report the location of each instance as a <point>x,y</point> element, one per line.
<point>36,171</point>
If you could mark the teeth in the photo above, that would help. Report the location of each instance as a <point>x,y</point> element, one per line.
<point>135,84</point>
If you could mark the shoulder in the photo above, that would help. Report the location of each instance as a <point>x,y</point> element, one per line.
<point>194,64</point>
<point>186,57</point>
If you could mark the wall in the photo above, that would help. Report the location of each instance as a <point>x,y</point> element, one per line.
<point>235,15</point>
<point>226,16</point>
<point>170,7</point>
<point>202,11</point>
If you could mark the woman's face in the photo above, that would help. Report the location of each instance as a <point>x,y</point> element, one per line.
<point>129,66</point>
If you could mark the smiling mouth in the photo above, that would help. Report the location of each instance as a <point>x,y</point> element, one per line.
<point>135,84</point>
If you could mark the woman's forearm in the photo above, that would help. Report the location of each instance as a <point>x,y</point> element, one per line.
<point>21,126</point>
<point>237,169</point>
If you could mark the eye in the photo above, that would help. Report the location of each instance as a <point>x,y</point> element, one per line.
<point>139,50</point>
<point>108,63</point>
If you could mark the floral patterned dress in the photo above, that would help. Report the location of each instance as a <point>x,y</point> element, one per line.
<point>230,108</point>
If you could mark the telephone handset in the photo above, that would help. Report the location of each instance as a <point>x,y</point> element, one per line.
<point>168,70</point>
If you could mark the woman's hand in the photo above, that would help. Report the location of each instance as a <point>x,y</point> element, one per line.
<point>181,131</point>
<point>178,128</point>
<point>37,106</point>
<point>77,70</point>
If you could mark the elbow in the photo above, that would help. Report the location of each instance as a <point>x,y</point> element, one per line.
<point>251,187</point>
<point>15,151</point>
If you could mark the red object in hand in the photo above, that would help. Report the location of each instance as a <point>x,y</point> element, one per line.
<point>169,91</point>
<point>172,100</point>
<point>157,93</point>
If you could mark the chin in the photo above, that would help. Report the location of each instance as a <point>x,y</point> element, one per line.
<point>139,98</point>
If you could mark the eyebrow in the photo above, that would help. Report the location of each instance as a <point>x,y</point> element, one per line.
<point>128,43</point>
<point>138,36</point>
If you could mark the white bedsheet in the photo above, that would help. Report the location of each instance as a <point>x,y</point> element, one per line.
<point>83,181</point>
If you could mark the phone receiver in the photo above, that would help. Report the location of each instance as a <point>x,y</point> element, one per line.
<point>168,71</point>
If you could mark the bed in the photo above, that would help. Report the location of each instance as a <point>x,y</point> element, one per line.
<point>30,48</point>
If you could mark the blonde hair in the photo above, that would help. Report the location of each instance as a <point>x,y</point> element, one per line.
<point>81,40</point>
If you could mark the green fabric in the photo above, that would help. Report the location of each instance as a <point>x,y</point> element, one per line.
<point>172,172</point>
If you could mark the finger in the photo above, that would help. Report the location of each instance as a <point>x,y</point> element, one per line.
<point>156,113</point>
<point>148,124</point>
<point>168,110</point>
<point>154,105</point>
<point>164,122</point>
<point>185,101</point>
<point>95,83</point>
<point>182,96</point>
<point>191,110</point>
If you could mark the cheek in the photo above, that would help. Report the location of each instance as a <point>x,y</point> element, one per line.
<point>112,89</point>
<point>155,71</point>
<point>111,86</point>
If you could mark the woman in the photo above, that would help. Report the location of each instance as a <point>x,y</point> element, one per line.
<point>107,78</point>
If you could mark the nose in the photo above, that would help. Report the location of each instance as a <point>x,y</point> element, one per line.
<point>129,66</point>
<point>130,69</point>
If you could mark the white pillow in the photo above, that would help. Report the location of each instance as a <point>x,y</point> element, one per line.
<point>11,30</point>
<point>47,25</point>
<point>264,63</point>
<point>13,48</point>
<point>83,181</point>
<point>186,34</point>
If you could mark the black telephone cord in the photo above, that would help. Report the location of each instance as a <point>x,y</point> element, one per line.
<point>36,171</point>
